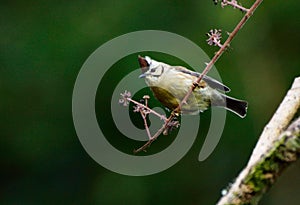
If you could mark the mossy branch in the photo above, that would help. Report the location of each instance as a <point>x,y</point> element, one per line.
<point>277,148</point>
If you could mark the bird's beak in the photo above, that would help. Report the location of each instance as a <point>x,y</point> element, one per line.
<point>143,64</point>
<point>143,75</point>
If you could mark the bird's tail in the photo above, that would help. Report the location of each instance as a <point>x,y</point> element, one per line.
<point>236,106</point>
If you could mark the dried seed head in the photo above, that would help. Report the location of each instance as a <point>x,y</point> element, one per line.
<point>146,97</point>
<point>214,37</point>
<point>124,99</point>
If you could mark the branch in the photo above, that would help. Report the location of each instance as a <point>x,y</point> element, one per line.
<point>278,147</point>
<point>234,4</point>
<point>208,67</point>
<point>139,106</point>
<point>144,116</point>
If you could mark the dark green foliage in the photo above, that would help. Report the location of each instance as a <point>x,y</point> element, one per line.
<point>43,45</point>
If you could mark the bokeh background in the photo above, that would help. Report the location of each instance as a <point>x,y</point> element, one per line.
<point>43,46</point>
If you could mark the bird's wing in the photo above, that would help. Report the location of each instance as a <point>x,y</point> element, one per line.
<point>210,81</point>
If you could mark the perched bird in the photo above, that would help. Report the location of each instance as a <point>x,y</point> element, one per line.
<point>170,84</point>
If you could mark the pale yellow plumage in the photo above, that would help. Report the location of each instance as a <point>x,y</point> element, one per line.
<point>170,84</point>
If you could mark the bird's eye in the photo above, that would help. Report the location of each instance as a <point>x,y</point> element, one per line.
<point>152,70</point>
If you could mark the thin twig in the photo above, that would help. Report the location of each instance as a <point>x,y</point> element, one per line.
<point>162,117</point>
<point>155,136</point>
<point>223,48</point>
<point>234,4</point>
<point>144,116</point>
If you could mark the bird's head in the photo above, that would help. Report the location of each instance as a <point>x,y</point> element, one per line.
<point>150,68</point>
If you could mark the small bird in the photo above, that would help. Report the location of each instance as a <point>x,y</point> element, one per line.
<point>170,84</point>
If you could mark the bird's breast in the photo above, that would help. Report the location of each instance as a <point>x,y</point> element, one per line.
<point>172,87</point>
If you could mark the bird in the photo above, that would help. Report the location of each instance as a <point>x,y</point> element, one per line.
<point>170,84</point>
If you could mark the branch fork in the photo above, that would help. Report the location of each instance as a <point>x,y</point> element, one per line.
<point>233,3</point>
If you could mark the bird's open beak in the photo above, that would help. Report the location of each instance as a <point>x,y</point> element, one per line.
<point>143,64</point>
<point>143,75</point>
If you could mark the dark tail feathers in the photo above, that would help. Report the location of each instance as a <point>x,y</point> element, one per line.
<point>236,106</point>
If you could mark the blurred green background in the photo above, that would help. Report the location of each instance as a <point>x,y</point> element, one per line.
<point>43,46</point>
